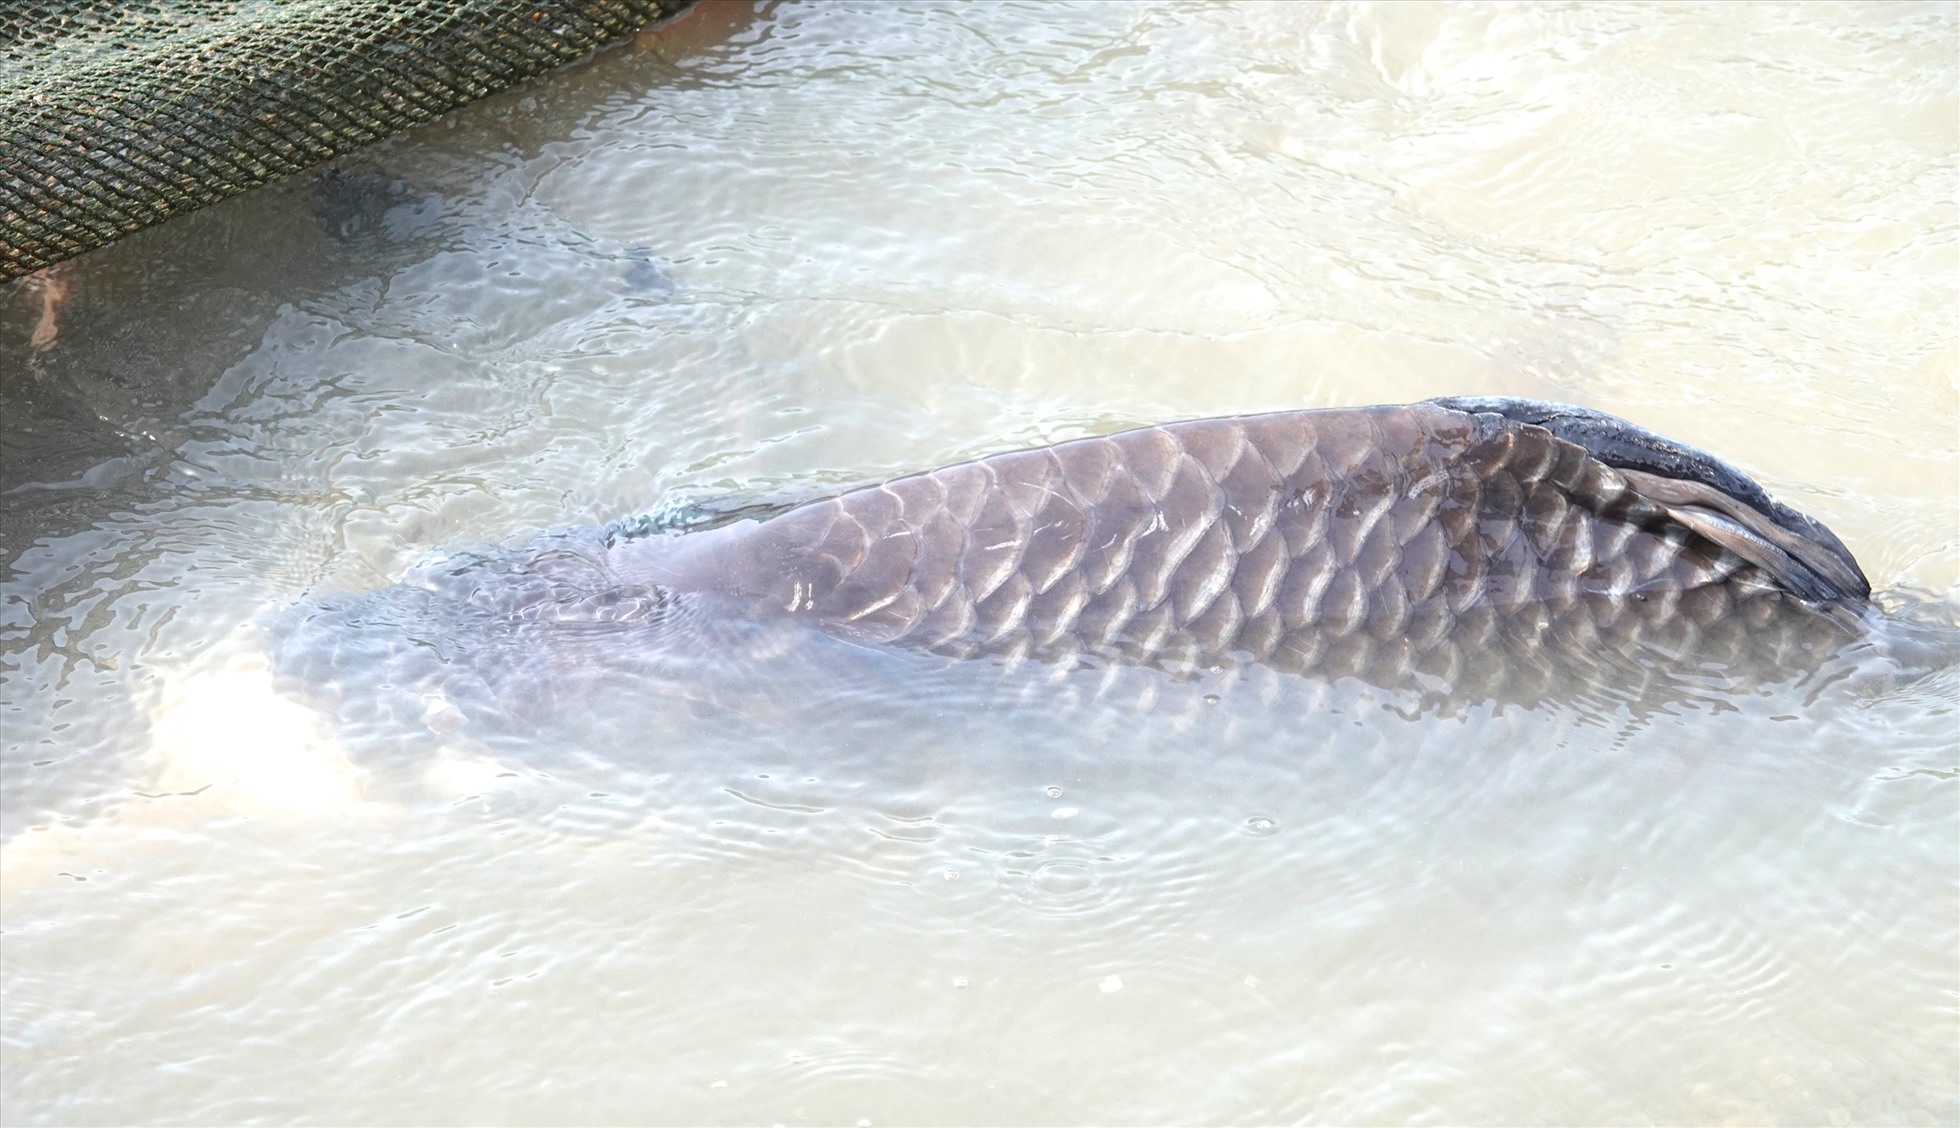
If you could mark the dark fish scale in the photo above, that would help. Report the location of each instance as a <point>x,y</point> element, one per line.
<point>1028,481</point>
<point>1545,514</point>
<point>1457,516</point>
<point>1379,550</point>
<point>1424,561</point>
<point>1707,605</point>
<point>844,538</point>
<point>1149,631</point>
<point>1532,456</point>
<point>1429,624</point>
<point>1394,661</point>
<point>1055,541</point>
<point>945,622</point>
<point>1283,442</point>
<point>920,498</point>
<point>1003,609</point>
<point>1360,507</point>
<point>874,511</point>
<point>1510,577</point>
<point>1463,585</point>
<point>964,488</point>
<point>1152,459</point>
<point>1087,468</point>
<point>935,571</point>
<point>994,545</point>
<point>1498,511</point>
<point>1305,585</point>
<point>1353,652</point>
<point>1388,611</point>
<point>1613,571</point>
<point>1399,438</point>
<point>1185,513</point>
<point>1439,665</point>
<point>1570,468</point>
<point>1054,612</point>
<point>1302,517</point>
<point>1606,611</point>
<point>1261,569</point>
<point>1529,626</point>
<point>1122,517</point>
<point>1420,495</point>
<point>1216,450</point>
<point>1476,628</point>
<point>1250,502</point>
<point>1756,614</point>
<point>1345,605</point>
<point>1110,614</point>
<point>1571,550</point>
<point>1484,458</point>
<point>1205,574</point>
<point>1558,590</point>
<point>1649,557</point>
<point>1301,651</point>
<point>1346,442</point>
<point>1672,635</point>
<point>883,571</point>
<point>1216,629</point>
<point>1261,634</point>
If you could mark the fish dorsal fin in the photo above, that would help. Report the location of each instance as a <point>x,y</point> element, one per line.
<point>1703,493</point>
<point>1791,562</point>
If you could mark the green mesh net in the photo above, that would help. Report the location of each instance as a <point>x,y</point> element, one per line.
<point>116,115</point>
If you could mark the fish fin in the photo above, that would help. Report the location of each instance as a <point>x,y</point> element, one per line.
<point>1804,567</point>
<point>1702,492</point>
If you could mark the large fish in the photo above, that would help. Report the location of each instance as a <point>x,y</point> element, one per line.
<point>1471,548</point>
<point>1479,545</point>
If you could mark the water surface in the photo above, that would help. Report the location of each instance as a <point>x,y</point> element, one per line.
<point>768,251</point>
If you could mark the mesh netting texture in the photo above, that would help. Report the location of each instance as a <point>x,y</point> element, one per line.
<point>117,115</point>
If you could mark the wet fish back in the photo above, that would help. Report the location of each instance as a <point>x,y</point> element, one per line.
<point>1403,543</point>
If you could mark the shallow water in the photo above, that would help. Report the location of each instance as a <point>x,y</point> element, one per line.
<point>764,252</point>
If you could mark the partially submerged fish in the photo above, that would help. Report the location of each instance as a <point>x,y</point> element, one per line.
<point>1460,542</point>
<point>1468,548</point>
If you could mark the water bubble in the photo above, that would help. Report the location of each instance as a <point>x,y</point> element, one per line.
<point>1261,826</point>
<point>1062,879</point>
<point>959,982</point>
<point>439,715</point>
<point>1052,792</point>
<point>1212,699</point>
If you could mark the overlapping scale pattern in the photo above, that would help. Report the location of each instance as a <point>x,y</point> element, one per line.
<point>1402,545</point>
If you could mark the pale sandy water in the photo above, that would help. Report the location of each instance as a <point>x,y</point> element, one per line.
<point>779,250</point>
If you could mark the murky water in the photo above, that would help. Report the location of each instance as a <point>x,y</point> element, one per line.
<point>765,252</point>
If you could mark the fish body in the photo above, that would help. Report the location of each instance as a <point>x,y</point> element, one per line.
<point>1459,550</point>
<point>1443,544</point>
